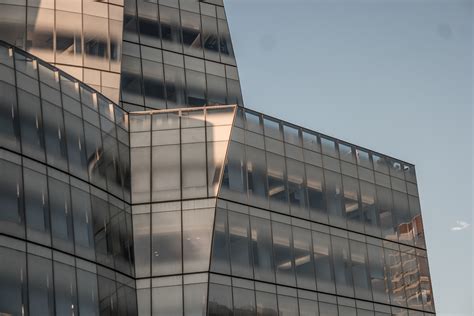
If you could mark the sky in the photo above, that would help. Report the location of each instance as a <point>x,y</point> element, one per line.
<point>395,76</point>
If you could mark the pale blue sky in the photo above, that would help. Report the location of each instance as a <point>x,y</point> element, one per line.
<point>395,76</point>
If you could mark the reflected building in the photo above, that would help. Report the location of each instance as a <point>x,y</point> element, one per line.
<point>129,186</point>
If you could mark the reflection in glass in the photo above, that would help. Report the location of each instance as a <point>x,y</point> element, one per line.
<point>13,289</point>
<point>322,252</point>
<point>166,243</point>
<point>240,253</point>
<point>220,300</point>
<point>12,219</point>
<point>277,190</point>
<point>40,285</point>
<point>244,301</point>
<point>220,246</point>
<point>283,252</point>
<point>266,304</point>
<point>342,266</point>
<point>360,270</point>
<point>36,207</point>
<point>304,264</point>
<point>262,249</point>
<point>197,232</point>
<point>83,229</point>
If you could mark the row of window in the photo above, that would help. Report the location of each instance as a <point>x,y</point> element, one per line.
<point>292,135</point>
<point>48,207</point>
<point>158,79</point>
<point>271,181</point>
<point>278,251</point>
<point>173,163</point>
<point>51,118</point>
<point>173,238</point>
<point>203,34</point>
<point>192,295</point>
<point>43,283</point>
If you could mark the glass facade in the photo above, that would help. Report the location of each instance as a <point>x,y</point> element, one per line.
<point>81,37</point>
<point>167,201</point>
<point>177,54</point>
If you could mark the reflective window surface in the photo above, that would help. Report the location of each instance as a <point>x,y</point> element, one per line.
<point>177,54</point>
<point>82,37</point>
<point>197,211</point>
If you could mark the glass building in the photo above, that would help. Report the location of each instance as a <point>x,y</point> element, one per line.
<point>130,186</point>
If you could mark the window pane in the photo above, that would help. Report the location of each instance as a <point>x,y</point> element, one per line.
<point>170,28</point>
<point>277,190</point>
<point>402,217</point>
<point>31,125</point>
<point>12,219</point>
<point>315,181</point>
<point>369,209</point>
<point>36,207</point>
<point>296,188</point>
<point>234,182</point>
<point>197,232</point>
<point>244,302</point>
<point>196,88</point>
<point>304,264</point>
<point>257,187</point>
<point>262,249</point>
<point>216,152</point>
<point>68,38</point>
<point>166,173</point>
<point>384,208</point>
<point>195,299</point>
<point>283,252</point>
<point>342,266</point>
<point>168,301</point>
<point>102,231</point>
<point>40,27</point>
<point>240,253</point>
<point>153,84</point>
<point>141,239</point>
<point>61,215</point>
<point>191,33</point>
<point>334,198</point>
<point>225,43</point>
<point>65,289</point>
<point>54,134</point>
<point>360,270</point>
<point>287,306</point>
<point>220,300</point>
<point>194,170</point>
<point>175,86</point>
<point>210,39</point>
<point>378,277</point>
<point>9,126</point>
<point>76,146</point>
<point>140,165</point>
<point>425,284</point>
<point>13,296</point>
<point>87,293</point>
<point>323,261</point>
<point>96,50</point>
<point>83,229</point>
<point>308,308</point>
<point>266,304</point>
<point>354,214</point>
<point>395,276</point>
<point>220,246</point>
<point>40,285</point>
<point>166,243</point>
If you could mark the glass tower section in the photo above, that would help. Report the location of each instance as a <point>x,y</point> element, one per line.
<point>129,187</point>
